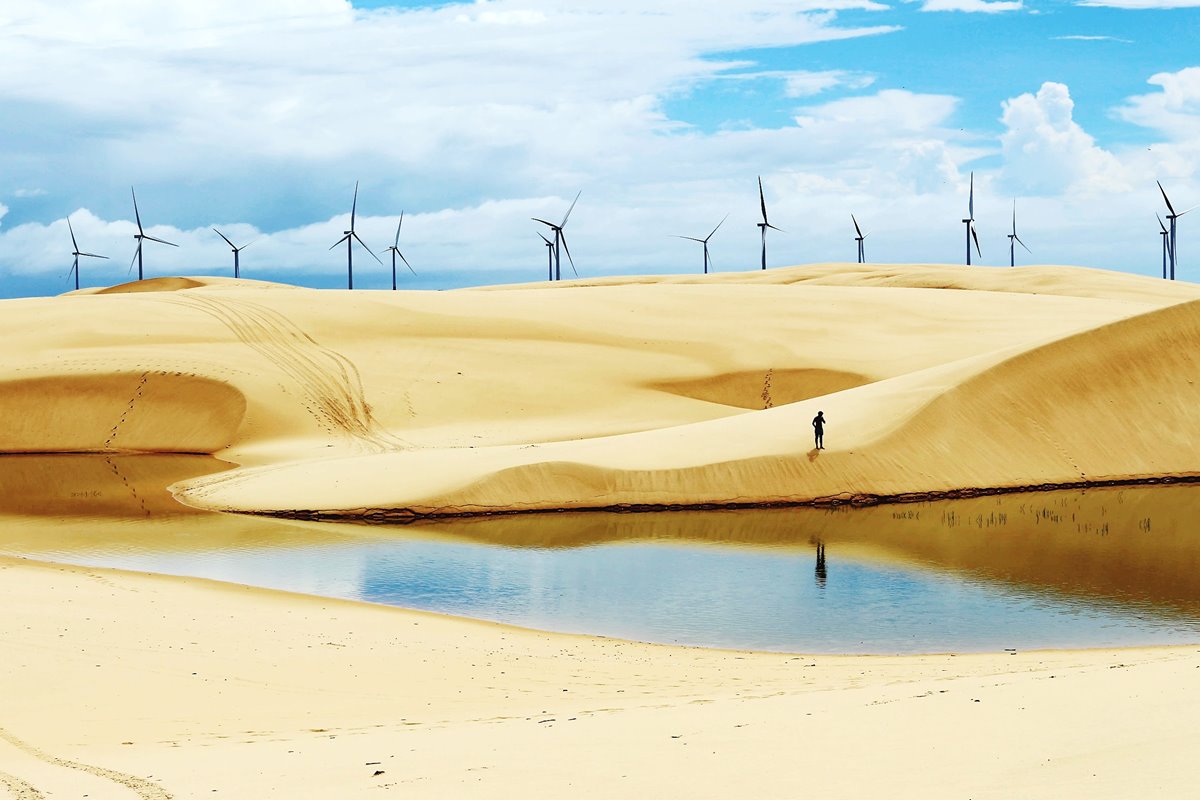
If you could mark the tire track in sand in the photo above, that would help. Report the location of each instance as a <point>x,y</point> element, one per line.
<point>147,790</point>
<point>330,382</point>
<point>18,788</point>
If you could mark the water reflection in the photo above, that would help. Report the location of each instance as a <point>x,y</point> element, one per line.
<point>1102,567</point>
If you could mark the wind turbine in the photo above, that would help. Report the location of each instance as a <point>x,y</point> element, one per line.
<point>549,257</point>
<point>349,238</point>
<point>140,235</point>
<point>1174,253</point>
<point>1013,240</point>
<point>395,251</point>
<point>237,269</point>
<point>861,236</point>
<point>704,242</point>
<point>762,226</point>
<point>77,253</point>
<point>560,238</point>
<point>970,223</point>
<point>1166,243</point>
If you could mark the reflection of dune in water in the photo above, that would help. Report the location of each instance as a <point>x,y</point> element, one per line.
<point>1134,543</point>
<point>62,503</point>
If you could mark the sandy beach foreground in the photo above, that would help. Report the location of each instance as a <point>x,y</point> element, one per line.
<point>122,685</point>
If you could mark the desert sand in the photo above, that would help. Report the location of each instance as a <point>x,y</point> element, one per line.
<point>615,393</point>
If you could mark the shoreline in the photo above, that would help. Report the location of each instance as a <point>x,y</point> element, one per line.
<point>186,687</point>
<point>405,516</point>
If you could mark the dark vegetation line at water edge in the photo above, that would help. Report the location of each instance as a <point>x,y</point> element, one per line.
<point>405,516</point>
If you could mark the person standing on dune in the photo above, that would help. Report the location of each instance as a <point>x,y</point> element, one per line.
<point>818,424</point>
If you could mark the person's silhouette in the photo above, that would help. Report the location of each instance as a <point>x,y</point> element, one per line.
<point>818,424</point>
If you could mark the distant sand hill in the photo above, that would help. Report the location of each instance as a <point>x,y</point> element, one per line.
<point>618,392</point>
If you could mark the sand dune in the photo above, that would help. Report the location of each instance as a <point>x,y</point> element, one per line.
<point>670,390</point>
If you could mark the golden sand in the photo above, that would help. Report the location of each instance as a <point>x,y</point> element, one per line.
<point>588,394</point>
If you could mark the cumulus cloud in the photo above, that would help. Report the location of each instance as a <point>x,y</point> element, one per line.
<point>1174,110</point>
<point>1047,152</point>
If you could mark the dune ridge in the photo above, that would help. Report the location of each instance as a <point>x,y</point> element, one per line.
<point>665,391</point>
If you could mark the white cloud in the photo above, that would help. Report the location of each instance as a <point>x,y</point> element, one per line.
<point>805,84</point>
<point>1047,152</point>
<point>1085,38</point>
<point>973,6</point>
<point>1137,5</point>
<point>1174,111</point>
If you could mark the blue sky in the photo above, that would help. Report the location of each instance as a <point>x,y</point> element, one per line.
<point>472,117</point>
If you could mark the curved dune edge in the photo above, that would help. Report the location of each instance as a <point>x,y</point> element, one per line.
<point>1043,418</point>
<point>151,411</point>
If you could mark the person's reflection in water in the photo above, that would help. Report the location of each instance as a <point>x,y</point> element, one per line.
<point>821,574</point>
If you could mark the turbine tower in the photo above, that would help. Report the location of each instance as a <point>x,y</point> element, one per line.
<point>862,257</point>
<point>141,235</point>
<point>395,251</point>
<point>970,223</point>
<point>1166,243</point>
<point>237,267</point>
<point>704,241</point>
<point>549,257</point>
<point>1014,240</point>
<point>349,237</point>
<point>560,238</point>
<point>1171,217</point>
<point>77,253</point>
<point>762,226</point>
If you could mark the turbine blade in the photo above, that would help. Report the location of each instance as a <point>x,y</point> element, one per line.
<point>762,200</point>
<point>354,205</point>
<point>136,215</point>
<point>1165,198</point>
<point>405,260</point>
<point>369,250</point>
<point>857,229</point>
<point>398,224</point>
<point>975,236</point>
<point>133,260</point>
<point>971,201</point>
<point>74,244</point>
<point>689,238</point>
<point>544,239</point>
<point>1015,218</point>
<point>160,241</point>
<point>548,224</point>
<point>772,227</point>
<point>714,230</point>
<point>1181,213</point>
<point>563,224</point>
<point>1160,223</point>
<point>226,238</point>
<point>93,255</point>
<point>1018,238</point>
<point>339,241</point>
<point>564,244</point>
